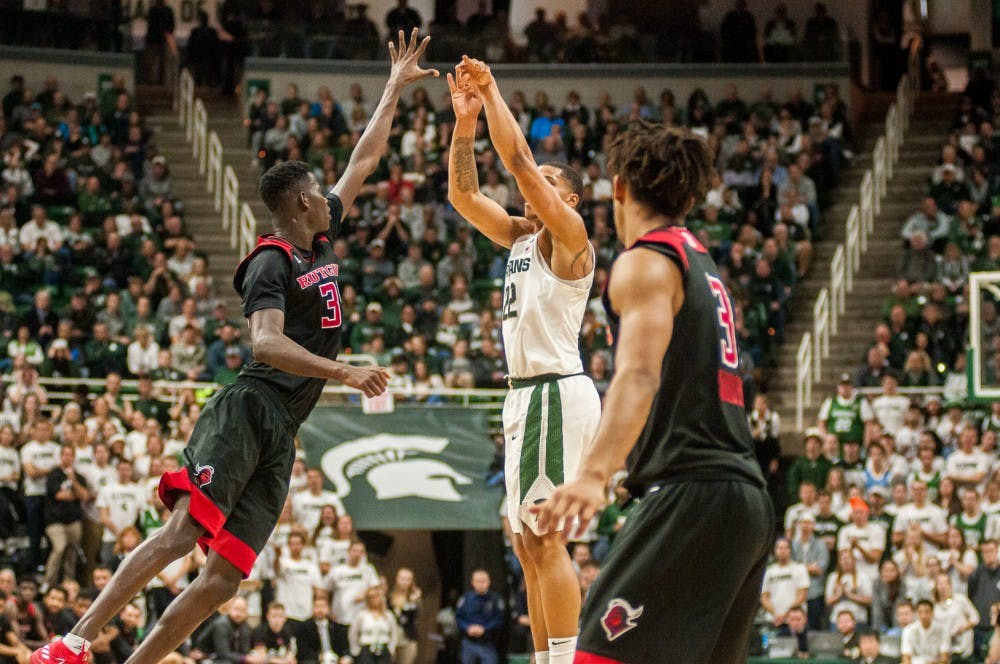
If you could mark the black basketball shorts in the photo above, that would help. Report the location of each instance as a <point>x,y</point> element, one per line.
<point>682,580</point>
<point>237,467</point>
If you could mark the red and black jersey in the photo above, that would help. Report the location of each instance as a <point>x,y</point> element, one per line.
<point>697,425</point>
<point>303,284</point>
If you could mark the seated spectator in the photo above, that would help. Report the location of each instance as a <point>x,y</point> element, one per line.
<point>917,264</point>
<point>847,630</point>
<point>869,649</point>
<point>479,616</point>
<point>273,640</point>
<point>795,626</point>
<point>930,221</point>
<point>227,636</point>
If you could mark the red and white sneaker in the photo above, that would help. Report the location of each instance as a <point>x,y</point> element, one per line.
<point>57,652</point>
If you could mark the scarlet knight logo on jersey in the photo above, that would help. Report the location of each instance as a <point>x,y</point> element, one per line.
<point>203,475</point>
<point>619,618</point>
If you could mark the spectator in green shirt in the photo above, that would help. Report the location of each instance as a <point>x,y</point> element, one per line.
<point>812,467</point>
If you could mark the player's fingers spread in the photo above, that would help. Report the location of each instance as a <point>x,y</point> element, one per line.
<point>423,45</point>
<point>392,52</point>
<point>451,83</point>
<point>402,43</point>
<point>433,72</point>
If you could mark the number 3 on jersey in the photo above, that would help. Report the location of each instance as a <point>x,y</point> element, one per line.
<point>331,295</point>
<point>509,297</point>
<point>727,323</point>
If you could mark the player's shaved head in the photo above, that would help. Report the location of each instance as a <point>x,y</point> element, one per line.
<point>282,182</point>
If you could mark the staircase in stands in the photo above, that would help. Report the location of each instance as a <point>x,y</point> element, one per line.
<point>873,283</point>
<point>204,223</point>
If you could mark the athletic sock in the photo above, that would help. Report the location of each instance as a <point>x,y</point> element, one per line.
<point>562,651</point>
<point>75,643</point>
<point>542,657</point>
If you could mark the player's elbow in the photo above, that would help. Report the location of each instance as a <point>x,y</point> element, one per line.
<point>264,348</point>
<point>640,380</point>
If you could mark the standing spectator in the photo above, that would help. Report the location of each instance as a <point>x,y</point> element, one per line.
<point>479,616</point>
<point>931,520</point>
<point>120,505</point>
<point>541,36</point>
<point>308,504</point>
<point>739,35</point>
<point>296,578</point>
<point>822,36</point>
<point>349,582</point>
<point>887,592</point>
<point>863,539</point>
<point>968,467</point>
<point>405,602</point>
<point>374,633</point>
<point>38,456</point>
<point>765,427</point>
<point>786,584</point>
<point>813,467</point>
<point>848,590</point>
<point>958,616</point>
<point>984,590</point>
<point>890,407</point>
<point>318,639</point>
<point>403,18</point>
<point>65,493</point>
<point>203,52</point>
<point>846,414</point>
<point>226,640</point>
<point>812,552</point>
<point>779,36</point>
<point>925,640</point>
<point>161,49</point>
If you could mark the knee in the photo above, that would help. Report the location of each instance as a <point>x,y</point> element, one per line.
<point>540,549</point>
<point>171,543</point>
<point>220,588</point>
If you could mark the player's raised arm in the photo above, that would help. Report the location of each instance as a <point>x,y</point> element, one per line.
<point>647,311</point>
<point>365,157</point>
<point>463,176</point>
<point>272,347</point>
<point>512,147</point>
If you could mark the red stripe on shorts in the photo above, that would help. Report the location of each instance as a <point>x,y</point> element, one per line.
<point>590,658</point>
<point>233,549</point>
<point>201,507</point>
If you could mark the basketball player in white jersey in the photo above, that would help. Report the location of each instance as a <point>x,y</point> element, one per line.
<point>551,413</point>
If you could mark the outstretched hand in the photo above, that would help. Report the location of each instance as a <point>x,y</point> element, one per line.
<point>464,98</point>
<point>405,59</point>
<point>473,72</point>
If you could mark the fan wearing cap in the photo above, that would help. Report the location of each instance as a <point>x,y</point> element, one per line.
<point>812,466</point>
<point>846,413</point>
<point>813,553</point>
<point>928,220</point>
<point>865,540</point>
<point>950,190</point>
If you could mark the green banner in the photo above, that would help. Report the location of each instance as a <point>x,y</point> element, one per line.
<point>413,469</point>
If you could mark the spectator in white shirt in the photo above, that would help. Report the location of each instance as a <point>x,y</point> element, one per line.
<point>967,466</point>
<point>308,504</point>
<point>863,539</point>
<point>932,520</point>
<point>143,353</point>
<point>890,407</point>
<point>37,228</point>
<point>349,583</point>
<point>847,589</point>
<point>925,641</point>
<point>957,615</point>
<point>296,577</point>
<point>786,584</point>
<point>119,505</point>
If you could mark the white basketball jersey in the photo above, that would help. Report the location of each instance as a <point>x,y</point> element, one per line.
<point>542,314</point>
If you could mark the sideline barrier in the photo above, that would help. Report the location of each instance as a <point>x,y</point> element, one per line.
<point>831,302</point>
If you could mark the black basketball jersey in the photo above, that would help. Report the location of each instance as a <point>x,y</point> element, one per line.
<point>303,284</point>
<point>697,424</point>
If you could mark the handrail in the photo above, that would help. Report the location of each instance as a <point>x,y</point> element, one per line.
<point>186,103</point>
<point>198,148</point>
<point>821,332</point>
<point>879,171</point>
<point>852,247</point>
<point>838,297</point>
<point>248,230</point>
<point>803,378</point>
<point>220,180</point>
<point>230,205</point>
<point>867,195</point>
<point>831,302</point>
<point>214,182</point>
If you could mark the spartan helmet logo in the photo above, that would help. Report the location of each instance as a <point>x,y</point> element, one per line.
<point>395,467</point>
